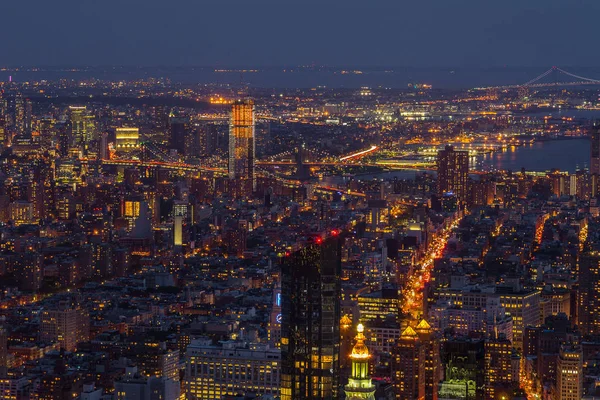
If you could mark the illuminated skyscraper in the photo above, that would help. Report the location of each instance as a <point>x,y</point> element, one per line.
<point>588,298</point>
<point>19,114</point>
<point>595,151</point>
<point>179,214</point>
<point>430,359</point>
<point>3,132</point>
<point>27,118</point>
<point>408,370</point>
<point>127,140</point>
<point>569,373</point>
<point>310,330</point>
<point>453,173</point>
<point>360,385</point>
<point>498,371</point>
<point>416,363</point>
<point>130,210</point>
<point>77,126</point>
<point>3,105</point>
<point>81,127</point>
<point>241,143</point>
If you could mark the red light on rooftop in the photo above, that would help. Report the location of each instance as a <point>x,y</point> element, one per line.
<point>319,240</point>
<point>287,254</point>
<point>335,232</point>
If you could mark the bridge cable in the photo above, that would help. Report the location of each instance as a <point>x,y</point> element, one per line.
<point>538,77</point>
<point>577,76</point>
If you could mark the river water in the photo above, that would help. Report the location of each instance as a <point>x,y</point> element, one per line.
<point>565,155</point>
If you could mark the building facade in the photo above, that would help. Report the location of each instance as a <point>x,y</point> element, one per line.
<point>66,325</point>
<point>569,373</point>
<point>127,140</point>
<point>588,312</point>
<point>595,150</point>
<point>213,372</point>
<point>453,173</point>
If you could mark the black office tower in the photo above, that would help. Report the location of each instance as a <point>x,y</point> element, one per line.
<point>179,130</point>
<point>588,296</point>
<point>595,150</point>
<point>310,342</point>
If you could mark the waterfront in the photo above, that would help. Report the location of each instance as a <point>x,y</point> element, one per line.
<point>566,155</point>
<point>565,112</point>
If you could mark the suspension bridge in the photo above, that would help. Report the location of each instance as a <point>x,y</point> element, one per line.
<point>537,82</point>
<point>151,155</point>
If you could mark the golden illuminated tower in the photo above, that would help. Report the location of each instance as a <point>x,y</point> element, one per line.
<point>360,385</point>
<point>241,144</point>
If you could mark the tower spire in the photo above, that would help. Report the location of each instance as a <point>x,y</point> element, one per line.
<point>359,384</point>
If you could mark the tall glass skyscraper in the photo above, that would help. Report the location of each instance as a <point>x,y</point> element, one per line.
<point>81,127</point>
<point>310,331</point>
<point>241,143</point>
<point>595,150</point>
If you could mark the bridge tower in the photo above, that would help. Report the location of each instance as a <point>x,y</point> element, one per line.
<point>143,155</point>
<point>523,92</point>
<point>554,94</point>
<point>302,170</point>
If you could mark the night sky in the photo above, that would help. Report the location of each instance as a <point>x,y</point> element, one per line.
<point>417,33</point>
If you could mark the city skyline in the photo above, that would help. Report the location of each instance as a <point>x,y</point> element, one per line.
<point>307,232</point>
<point>238,247</point>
